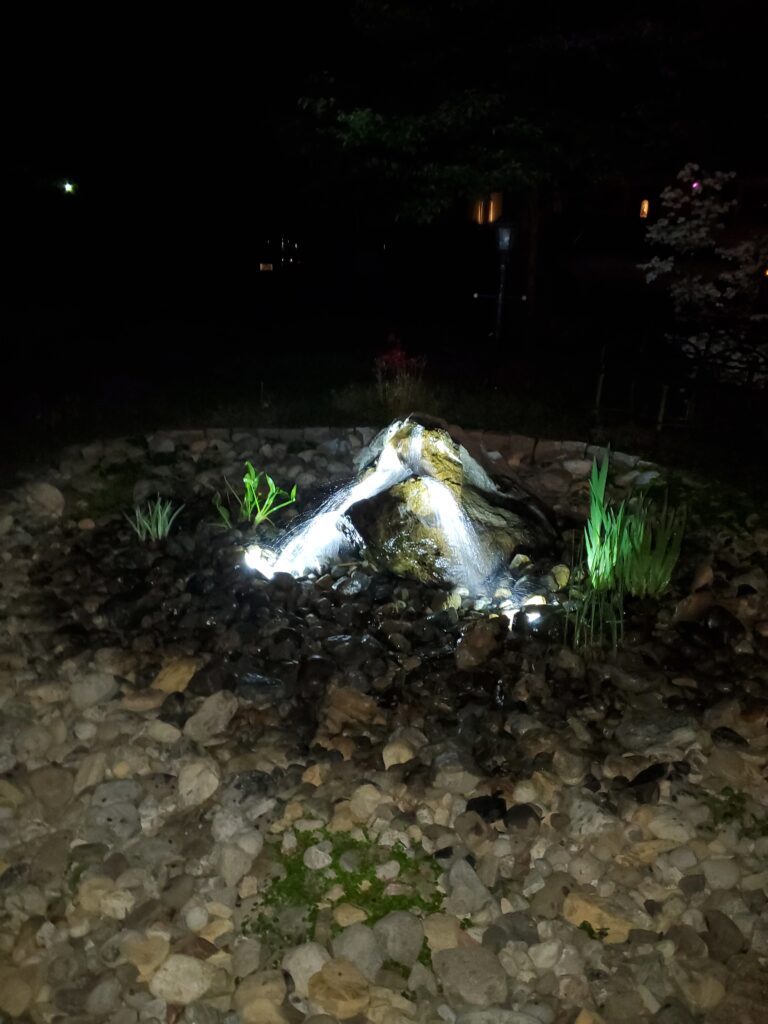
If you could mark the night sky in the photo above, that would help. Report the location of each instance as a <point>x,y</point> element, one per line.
<point>192,140</point>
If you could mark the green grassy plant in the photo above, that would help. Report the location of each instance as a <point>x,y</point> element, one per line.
<point>153,521</point>
<point>257,504</point>
<point>628,550</point>
<point>604,531</point>
<point>649,549</point>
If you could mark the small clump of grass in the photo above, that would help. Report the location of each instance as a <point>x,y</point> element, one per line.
<point>153,521</point>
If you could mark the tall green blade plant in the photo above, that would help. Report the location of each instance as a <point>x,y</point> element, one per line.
<point>650,549</point>
<point>603,532</point>
<point>629,550</point>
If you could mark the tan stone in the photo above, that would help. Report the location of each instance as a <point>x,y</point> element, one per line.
<point>175,676</point>
<point>616,915</point>
<point>90,772</point>
<point>444,931</point>
<point>182,979</point>
<point>163,732</point>
<point>10,795</point>
<point>397,752</point>
<point>645,852</point>
<point>16,993</point>
<point>316,774</point>
<point>589,1017</point>
<point>346,914</point>
<point>342,820</point>
<point>92,891</point>
<point>365,800</point>
<point>215,929</point>
<point>146,953</point>
<point>198,780</point>
<point>346,706</point>
<point>698,983</point>
<point>388,1007</point>
<point>142,700</point>
<point>339,988</point>
<point>259,998</point>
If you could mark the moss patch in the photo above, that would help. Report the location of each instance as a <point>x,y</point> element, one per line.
<point>290,908</point>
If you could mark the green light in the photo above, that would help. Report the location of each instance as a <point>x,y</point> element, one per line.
<point>69,187</point>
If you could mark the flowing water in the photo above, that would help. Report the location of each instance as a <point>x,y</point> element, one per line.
<point>325,536</point>
<point>471,562</point>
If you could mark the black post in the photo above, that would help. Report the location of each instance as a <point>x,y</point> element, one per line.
<point>504,239</point>
<point>500,297</point>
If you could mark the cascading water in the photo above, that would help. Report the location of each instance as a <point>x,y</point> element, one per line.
<point>321,540</point>
<point>472,562</point>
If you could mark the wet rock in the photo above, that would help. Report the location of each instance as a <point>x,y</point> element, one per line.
<point>479,642</point>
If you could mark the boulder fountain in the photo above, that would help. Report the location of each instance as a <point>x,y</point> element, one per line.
<point>425,508</point>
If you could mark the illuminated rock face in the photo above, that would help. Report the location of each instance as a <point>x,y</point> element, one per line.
<point>448,521</point>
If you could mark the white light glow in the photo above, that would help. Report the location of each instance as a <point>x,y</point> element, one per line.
<point>255,558</point>
<point>68,187</point>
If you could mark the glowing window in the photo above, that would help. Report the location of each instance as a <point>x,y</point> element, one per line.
<point>488,210</point>
<point>644,208</point>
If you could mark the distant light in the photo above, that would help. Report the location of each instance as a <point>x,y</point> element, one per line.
<point>765,272</point>
<point>644,208</point>
<point>266,266</point>
<point>696,186</point>
<point>69,187</point>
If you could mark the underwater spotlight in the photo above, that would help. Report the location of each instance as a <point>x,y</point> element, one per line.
<point>259,559</point>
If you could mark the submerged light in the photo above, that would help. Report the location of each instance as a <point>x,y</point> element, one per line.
<point>257,558</point>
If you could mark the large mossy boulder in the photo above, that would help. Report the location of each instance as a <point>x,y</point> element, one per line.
<point>449,520</point>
